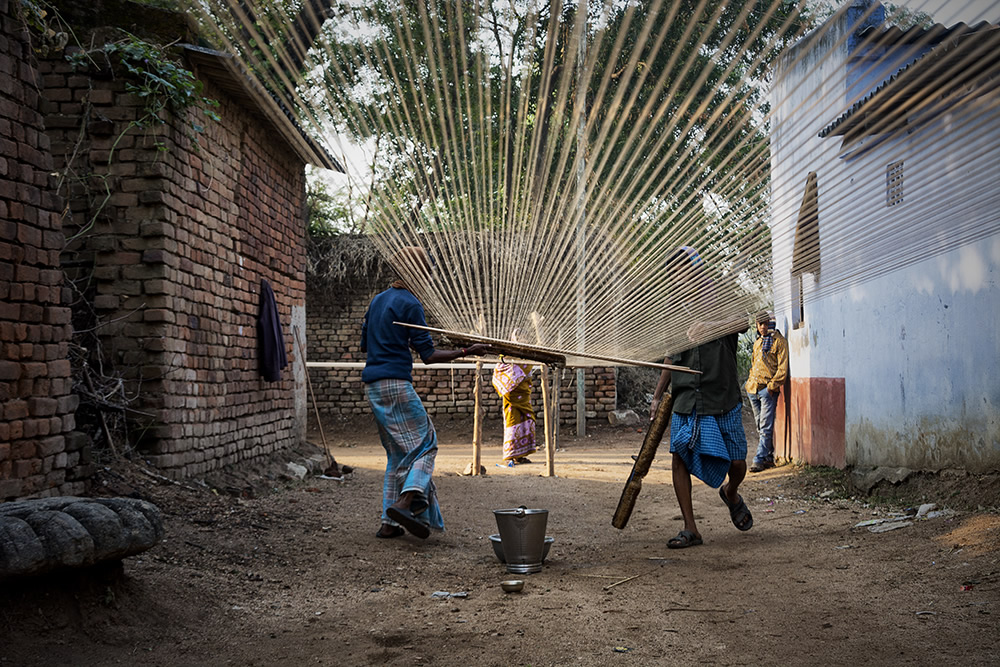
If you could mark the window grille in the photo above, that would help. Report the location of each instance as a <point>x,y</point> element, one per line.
<point>894,183</point>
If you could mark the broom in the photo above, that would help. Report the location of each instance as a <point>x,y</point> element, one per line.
<point>332,471</point>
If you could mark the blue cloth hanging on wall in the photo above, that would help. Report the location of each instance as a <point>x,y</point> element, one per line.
<point>271,344</point>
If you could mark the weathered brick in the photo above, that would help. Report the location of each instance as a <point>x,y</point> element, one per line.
<point>67,404</point>
<point>106,302</point>
<point>34,369</point>
<point>42,406</point>
<point>51,446</point>
<point>27,467</point>
<point>158,315</point>
<point>12,311</point>
<point>10,488</point>
<point>101,96</point>
<point>59,368</point>
<point>57,316</point>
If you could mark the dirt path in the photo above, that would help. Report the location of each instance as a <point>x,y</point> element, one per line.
<point>295,575</point>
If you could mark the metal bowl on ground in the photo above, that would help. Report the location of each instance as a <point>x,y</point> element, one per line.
<point>512,585</point>
<point>498,546</point>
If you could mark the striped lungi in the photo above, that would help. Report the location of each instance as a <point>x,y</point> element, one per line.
<point>709,444</point>
<point>410,444</point>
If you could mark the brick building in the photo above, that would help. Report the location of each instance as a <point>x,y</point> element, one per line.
<point>40,451</point>
<point>168,237</point>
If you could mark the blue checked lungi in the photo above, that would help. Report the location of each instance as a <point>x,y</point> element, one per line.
<point>410,444</point>
<point>708,445</point>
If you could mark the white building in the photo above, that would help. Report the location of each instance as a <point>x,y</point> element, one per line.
<point>886,243</point>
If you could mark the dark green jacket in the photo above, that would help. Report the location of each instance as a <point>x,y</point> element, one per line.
<point>717,390</point>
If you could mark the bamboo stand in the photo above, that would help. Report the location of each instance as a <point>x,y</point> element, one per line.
<point>550,454</point>
<point>550,463</point>
<point>477,415</point>
<point>477,421</point>
<point>556,375</point>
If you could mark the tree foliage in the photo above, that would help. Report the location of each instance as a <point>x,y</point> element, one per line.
<point>478,100</point>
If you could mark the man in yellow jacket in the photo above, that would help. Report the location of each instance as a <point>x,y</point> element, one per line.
<point>767,374</point>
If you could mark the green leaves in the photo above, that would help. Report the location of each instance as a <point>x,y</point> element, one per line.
<point>151,75</point>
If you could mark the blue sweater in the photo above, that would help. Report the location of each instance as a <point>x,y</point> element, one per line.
<point>388,345</point>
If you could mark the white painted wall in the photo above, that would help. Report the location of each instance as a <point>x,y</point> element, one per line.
<point>907,305</point>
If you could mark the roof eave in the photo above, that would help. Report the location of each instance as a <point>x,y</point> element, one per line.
<point>223,70</point>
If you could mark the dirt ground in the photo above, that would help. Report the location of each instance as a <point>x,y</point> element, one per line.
<point>259,569</point>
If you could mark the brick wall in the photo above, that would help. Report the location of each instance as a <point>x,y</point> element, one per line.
<point>177,253</point>
<point>333,321</point>
<point>40,453</point>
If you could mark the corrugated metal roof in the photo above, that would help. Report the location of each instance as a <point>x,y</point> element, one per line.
<point>959,56</point>
<point>227,74</point>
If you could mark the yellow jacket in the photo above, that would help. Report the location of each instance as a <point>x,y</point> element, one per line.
<point>771,368</point>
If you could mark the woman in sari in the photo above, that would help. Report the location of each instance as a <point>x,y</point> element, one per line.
<point>513,383</point>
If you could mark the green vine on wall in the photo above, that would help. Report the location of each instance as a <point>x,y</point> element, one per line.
<point>161,83</point>
<point>165,89</point>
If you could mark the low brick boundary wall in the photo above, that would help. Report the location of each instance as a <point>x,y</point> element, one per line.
<point>333,325</point>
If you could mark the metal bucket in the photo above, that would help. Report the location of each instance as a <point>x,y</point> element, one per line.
<point>522,534</point>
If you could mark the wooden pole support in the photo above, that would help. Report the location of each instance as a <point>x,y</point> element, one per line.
<point>550,454</point>
<point>550,457</point>
<point>477,421</point>
<point>556,380</point>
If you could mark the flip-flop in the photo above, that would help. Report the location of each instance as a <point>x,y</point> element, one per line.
<point>407,520</point>
<point>739,512</point>
<point>396,531</point>
<point>684,539</point>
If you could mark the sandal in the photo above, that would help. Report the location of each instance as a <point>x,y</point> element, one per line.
<point>738,512</point>
<point>394,531</point>
<point>684,539</point>
<point>409,521</point>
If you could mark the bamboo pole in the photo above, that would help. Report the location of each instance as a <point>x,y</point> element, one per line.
<point>654,434</point>
<point>527,349</point>
<point>550,456</point>
<point>550,469</point>
<point>477,418</point>
<point>556,376</point>
<point>477,421</point>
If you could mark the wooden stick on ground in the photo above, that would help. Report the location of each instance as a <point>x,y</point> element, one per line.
<point>610,586</point>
